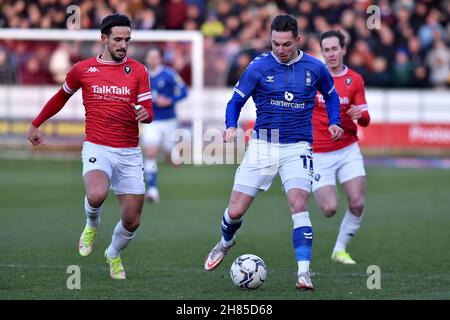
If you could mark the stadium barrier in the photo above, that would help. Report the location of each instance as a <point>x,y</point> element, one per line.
<point>413,121</point>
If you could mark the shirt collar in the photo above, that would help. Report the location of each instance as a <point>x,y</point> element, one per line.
<point>340,74</point>
<point>300,55</point>
<point>100,60</point>
<point>155,72</point>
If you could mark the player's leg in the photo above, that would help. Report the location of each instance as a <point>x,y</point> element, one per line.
<point>231,222</point>
<point>326,199</point>
<point>151,172</point>
<point>251,177</point>
<point>352,176</point>
<point>96,184</point>
<point>127,182</point>
<point>96,174</point>
<point>355,191</point>
<point>302,234</point>
<point>296,176</point>
<point>324,182</point>
<point>131,207</point>
<point>152,136</point>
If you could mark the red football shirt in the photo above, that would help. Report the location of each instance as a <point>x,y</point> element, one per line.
<point>350,87</point>
<point>108,89</point>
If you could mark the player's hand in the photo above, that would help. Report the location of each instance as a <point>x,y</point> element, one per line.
<point>163,101</point>
<point>141,112</point>
<point>230,135</point>
<point>336,132</point>
<point>354,112</point>
<point>35,136</point>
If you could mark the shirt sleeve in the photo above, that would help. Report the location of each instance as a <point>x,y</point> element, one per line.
<point>57,102</point>
<point>241,92</point>
<point>327,89</point>
<point>143,91</point>
<point>73,81</point>
<point>179,87</point>
<point>52,107</point>
<point>144,95</point>
<point>360,101</point>
<point>360,96</point>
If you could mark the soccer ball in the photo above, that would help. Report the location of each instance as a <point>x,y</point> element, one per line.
<point>248,271</point>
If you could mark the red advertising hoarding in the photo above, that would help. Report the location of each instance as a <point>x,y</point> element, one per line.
<point>405,136</point>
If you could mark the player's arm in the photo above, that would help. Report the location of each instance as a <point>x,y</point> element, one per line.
<point>178,91</point>
<point>144,107</point>
<point>331,97</point>
<point>180,88</point>
<point>53,106</point>
<point>241,92</point>
<point>359,110</point>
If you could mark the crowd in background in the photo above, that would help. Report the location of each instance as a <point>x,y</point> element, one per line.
<point>410,48</point>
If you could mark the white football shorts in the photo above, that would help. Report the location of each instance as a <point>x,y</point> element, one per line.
<point>158,133</point>
<point>124,166</point>
<point>345,164</point>
<point>264,160</point>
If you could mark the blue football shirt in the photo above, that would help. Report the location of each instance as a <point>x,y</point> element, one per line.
<point>166,82</point>
<point>284,95</point>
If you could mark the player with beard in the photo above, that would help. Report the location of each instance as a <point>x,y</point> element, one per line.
<point>116,96</point>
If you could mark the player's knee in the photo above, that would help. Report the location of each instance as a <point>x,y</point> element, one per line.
<point>151,152</point>
<point>96,198</point>
<point>328,209</point>
<point>357,206</point>
<point>131,225</point>
<point>297,205</point>
<point>236,211</point>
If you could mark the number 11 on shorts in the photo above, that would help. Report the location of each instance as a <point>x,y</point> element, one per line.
<point>307,163</point>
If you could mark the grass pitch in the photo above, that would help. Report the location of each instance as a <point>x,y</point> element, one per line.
<point>405,232</point>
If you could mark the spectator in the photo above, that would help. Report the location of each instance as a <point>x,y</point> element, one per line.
<point>31,72</point>
<point>386,44</point>
<point>238,67</point>
<point>379,76</point>
<point>8,70</point>
<point>402,69</point>
<point>431,29</point>
<point>212,26</point>
<point>175,14</point>
<point>60,62</point>
<point>194,13</point>
<point>313,47</point>
<point>438,60</point>
<point>146,20</point>
<point>414,25</point>
<point>158,9</point>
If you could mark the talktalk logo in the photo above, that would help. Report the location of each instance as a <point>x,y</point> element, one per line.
<point>342,100</point>
<point>111,90</point>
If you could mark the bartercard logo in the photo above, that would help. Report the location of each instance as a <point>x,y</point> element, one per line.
<point>288,96</point>
<point>123,90</point>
